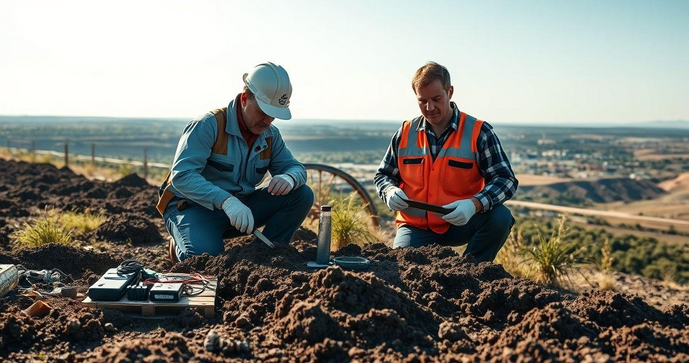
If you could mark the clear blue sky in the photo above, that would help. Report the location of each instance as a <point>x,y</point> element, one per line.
<point>511,61</point>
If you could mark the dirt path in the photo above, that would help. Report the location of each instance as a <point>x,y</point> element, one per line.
<point>598,213</point>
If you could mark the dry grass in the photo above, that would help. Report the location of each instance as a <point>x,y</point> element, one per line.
<point>42,231</point>
<point>79,223</point>
<point>350,223</point>
<point>511,256</point>
<point>606,282</point>
<point>54,226</point>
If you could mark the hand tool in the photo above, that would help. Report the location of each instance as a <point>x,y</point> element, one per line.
<point>263,238</point>
<point>428,207</point>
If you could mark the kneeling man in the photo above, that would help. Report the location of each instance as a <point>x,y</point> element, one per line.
<point>221,157</point>
<point>447,157</point>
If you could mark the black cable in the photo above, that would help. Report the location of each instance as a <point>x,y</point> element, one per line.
<point>129,266</point>
<point>189,288</point>
<point>134,266</point>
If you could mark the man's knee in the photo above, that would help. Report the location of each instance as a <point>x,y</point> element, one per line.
<point>412,237</point>
<point>303,196</point>
<point>193,240</point>
<point>196,248</point>
<point>500,218</point>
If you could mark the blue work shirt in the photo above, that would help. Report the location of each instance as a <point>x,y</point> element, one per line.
<point>208,178</point>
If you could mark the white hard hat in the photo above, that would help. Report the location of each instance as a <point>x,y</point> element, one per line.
<point>270,85</point>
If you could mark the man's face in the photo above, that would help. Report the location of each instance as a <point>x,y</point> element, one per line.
<point>434,102</point>
<point>254,119</point>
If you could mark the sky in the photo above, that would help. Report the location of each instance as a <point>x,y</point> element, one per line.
<point>564,63</point>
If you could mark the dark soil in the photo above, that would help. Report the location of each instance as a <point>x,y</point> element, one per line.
<point>135,228</point>
<point>425,304</point>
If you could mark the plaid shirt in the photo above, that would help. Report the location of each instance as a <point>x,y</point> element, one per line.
<point>501,184</point>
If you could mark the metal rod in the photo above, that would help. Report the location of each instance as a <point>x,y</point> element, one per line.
<point>145,163</point>
<point>319,187</point>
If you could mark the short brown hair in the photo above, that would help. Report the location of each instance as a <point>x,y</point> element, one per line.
<point>430,72</point>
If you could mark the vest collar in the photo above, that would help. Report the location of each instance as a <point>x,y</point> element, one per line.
<point>454,122</point>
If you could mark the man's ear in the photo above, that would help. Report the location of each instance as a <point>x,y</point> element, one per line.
<point>243,98</point>
<point>450,92</point>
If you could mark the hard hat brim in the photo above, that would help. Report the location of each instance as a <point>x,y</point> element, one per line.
<point>282,113</point>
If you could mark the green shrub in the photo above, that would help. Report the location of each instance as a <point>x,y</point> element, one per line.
<point>552,259</point>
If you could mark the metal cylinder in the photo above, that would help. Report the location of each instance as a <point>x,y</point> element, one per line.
<point>9,277</point>
<point>324,235</point>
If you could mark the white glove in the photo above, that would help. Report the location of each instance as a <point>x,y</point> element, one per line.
<point>463,211</point>
<point>240,215</point>
<point>281,184</point>
<point>394,196</point>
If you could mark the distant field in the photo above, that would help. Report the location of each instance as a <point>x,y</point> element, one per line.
<point>651,154</point>
<point>663,207</point>
<point>530,179</point>
<point>677,185</point>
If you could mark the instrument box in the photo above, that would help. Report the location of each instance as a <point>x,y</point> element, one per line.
<point>166,291</point>
<point>111,286</point>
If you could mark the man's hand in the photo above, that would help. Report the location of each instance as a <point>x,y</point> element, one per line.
<point>240,215</point>
<point>281,184</point>
<point>463,211</point>
<point>394,195</point>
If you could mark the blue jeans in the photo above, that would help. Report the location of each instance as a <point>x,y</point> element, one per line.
<point>484,234</point>
<point>197,230</point>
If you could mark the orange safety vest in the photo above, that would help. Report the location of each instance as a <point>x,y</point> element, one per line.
<point>452,176</point>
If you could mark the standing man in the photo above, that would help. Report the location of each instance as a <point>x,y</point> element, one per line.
<point>446,157</point>
<point>210,192</point>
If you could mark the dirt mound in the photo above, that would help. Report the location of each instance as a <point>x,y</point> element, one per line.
<point>423,302</point>
<point>26,186</point>
<point>68,322</point>
<point>168,348</point>
<point>131,180</point>
<point>303,234</point>
<point>129,227</point>
<point>70,260</point>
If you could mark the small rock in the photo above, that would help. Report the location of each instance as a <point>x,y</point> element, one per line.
<point>244,347</point>
<point>109,327</point>
<point>231,347</point>
<point>73,326</point>
<point>242,322</point>
<point>213,341</point>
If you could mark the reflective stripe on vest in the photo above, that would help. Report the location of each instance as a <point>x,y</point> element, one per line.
<point>453,175</point>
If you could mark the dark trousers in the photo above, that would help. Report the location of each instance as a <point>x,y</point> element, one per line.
<point>197,230</point>
<point>484,234</point>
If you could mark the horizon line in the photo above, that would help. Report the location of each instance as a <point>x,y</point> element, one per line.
<point>515,123</point>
